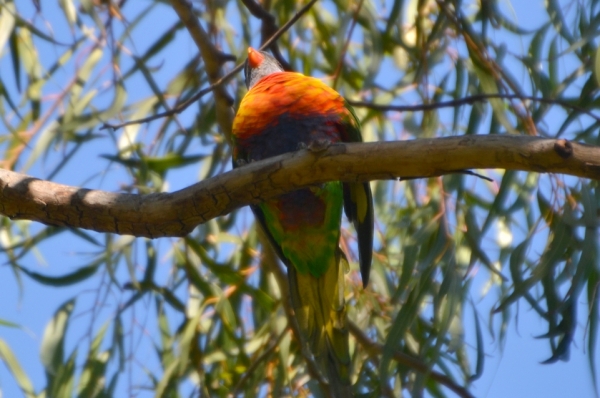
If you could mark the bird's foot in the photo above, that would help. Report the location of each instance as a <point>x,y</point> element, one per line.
<point>319,145</point>
<point>241,162</point>
<point>302,145</point>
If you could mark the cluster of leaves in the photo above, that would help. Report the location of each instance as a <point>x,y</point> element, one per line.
<point>209,311</point>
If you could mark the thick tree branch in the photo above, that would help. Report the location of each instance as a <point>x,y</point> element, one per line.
<point>177,213</point>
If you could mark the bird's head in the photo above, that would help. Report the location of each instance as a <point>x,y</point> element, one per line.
<point>258,65</point>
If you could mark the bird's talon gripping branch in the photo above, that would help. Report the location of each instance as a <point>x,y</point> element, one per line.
<point>319,145</point>
<point>302,145</point>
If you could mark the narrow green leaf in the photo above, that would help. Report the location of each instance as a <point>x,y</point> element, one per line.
<point>63,382</point>
<point>7,21</point>
<point>13,106</point>
<point>85,236</point>
<point>225,310</point>
<point>16,59</point>
<point>593,292</point>
<point>9,324</point>
<point>403,321</point>
<point>52,349</point>
<point>489,86</point>
<point>25,24</point>
<point>91,381</point>
<point>11,362</point>
<point>475,118</point>
<point>165,387</point>
<point>29,56</point>
<point>480,348</point>
<point>159,164</point>
<point>118,342</point>
<point>553,75</point>
<point>69,10</point>
<point>185,342</point>
<point>42,144</point>
<point>459,90</point>
<point>536,46</point>
<point>597,66</point>
<point>409,264</point>
<point>554,9</point>
<point>76,103</point>
<point>72,278</point>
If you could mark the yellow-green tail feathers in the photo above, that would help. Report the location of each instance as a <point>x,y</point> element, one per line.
<point>321,312</point>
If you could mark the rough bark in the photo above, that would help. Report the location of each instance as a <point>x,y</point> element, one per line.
<point>177,213</point>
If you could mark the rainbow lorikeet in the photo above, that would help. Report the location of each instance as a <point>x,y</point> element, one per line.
<point>283,112</point>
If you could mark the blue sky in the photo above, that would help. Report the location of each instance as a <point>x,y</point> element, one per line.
<point>515,372</point>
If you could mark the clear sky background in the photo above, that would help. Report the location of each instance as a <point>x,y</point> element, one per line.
<point>514,372</point>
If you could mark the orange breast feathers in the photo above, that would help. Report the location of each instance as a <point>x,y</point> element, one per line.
<point>286,93</point>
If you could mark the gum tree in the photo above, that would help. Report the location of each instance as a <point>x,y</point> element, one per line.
<point>482,153</point>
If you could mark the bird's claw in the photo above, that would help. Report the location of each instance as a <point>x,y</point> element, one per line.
<point>302,145</point>
<point>241,162</point>
<point>319,145</point>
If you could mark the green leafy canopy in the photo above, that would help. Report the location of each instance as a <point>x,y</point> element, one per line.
<point>457,259</point>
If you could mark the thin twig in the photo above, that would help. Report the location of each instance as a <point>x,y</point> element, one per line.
<point>268,27</point>
<point>288,24</point>
<point>338,69</point>
<point>184,105</point>
<point>470,100</point>
<point>465,172</point>
<point>177,110</point>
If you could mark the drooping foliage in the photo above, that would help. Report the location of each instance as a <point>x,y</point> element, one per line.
<point>455,256</point>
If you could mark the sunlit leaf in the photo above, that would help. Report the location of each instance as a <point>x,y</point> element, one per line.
<point>69,10</point>
<point>74,277</point>
<point>10,361</point>
<point>597,66</point>
<point>52,349</point>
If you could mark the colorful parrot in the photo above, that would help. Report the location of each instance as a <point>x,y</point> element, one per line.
<point>283,112</point>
